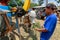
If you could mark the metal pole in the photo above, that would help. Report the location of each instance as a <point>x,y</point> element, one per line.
<point>17,24</point>
<point>46,2</point>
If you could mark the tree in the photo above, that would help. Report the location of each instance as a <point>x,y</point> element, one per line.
<point>33,5</point>
<point>58,1</point>
<point>15,3</point>
<point>40,2</point>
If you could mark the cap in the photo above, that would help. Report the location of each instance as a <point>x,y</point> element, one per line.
<point>52,6</point>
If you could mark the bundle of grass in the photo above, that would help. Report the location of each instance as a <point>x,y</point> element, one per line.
<point>36,25</point>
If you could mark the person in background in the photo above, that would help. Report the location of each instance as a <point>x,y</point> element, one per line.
<point>39,14</point>
<point>55,10</point>
<point>32,15</point>
<point>49,24</point>
<point>59,17</point>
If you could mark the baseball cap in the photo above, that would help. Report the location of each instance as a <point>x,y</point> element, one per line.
<point>52,6</point>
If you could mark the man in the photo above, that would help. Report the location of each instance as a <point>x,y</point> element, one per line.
<point>32,15</point>
<point>49,24</point>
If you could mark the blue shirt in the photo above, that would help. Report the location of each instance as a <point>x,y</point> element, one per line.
<point>49,25</point>
<point>5,8</point>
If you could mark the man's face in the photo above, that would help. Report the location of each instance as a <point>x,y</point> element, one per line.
<point>48,10</point>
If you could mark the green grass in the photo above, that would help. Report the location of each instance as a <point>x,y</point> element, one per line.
<point>36,25</point>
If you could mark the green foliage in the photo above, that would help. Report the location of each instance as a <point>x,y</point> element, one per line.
<point>36,25</point>
<point>21,2</point>
<point>40,2</point>
<point>15,3</point>
<point>33,5</point>
<point>58,1</point>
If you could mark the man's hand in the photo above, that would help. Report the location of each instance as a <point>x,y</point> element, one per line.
<point>36,29</point>
<point>41,30</point>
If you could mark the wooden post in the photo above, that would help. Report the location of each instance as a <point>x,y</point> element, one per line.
<point>9,28</point>
<point>17,24</point>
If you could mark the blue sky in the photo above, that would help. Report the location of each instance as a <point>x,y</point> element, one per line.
<point>49,1</point>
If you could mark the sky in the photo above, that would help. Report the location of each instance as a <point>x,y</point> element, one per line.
<point>49,1</point>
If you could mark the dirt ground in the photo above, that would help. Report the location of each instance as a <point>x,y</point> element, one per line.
<point>36,34</point>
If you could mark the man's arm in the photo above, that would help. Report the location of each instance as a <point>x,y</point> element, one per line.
<point>41,30</point>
